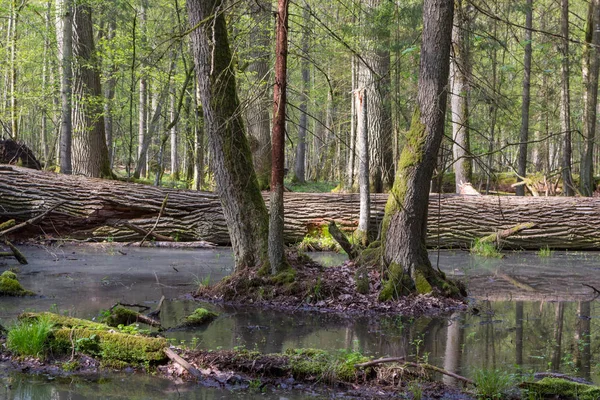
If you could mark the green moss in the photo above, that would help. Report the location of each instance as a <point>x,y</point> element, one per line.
<point>62,321</point>
<point>398,284</point>
<point>421,283</point>
<point>485,249</point>
<point>111,346</point>
<point>287,276</point>
<point>200,316</point>
<point>362,280</point>
<point>322,365</point>
<point>562,388</point>
<point>120,316</point>
<point>318,238</point>
<point>10,286</point>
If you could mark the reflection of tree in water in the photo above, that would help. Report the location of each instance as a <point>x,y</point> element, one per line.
<point>583,354</point>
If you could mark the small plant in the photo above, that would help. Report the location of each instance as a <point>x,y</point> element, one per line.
<point>255,384</point>
<point>545,252</point>
<point>492,383</point>
<point>415,389</point>
<point>485,249</point>
<point>28,338</point>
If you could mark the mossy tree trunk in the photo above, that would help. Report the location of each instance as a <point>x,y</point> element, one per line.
<point>405,221</point>
<point>231,162</point>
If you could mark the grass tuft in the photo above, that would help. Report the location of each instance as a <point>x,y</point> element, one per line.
<point>492,383</point>
<point>485,249</point>
<point>29,338</point>
<point>545,252</point>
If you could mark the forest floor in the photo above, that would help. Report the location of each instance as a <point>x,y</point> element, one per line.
<point>309,286</point>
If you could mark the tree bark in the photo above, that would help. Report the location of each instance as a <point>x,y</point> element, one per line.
<point>590,69</point>
<point>231,159</point>
<point>109,95</point>
<point>95,208</point>
<point>363,169</point>
<point>299,167</point>
<point>257,113</point>
<point>90,154</point>
<point>565,106</point>
<point>404,227</point>
<point>276,215</point>
<point>142,101</point>
<point>459,98</point>
<point>65,38</point>
<point>374,77</point>
<point>524,136</point>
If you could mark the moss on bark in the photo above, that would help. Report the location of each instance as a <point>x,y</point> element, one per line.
<point>10,285</point>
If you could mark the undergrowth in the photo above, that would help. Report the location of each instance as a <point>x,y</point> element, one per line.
<point>485,249</point>
<point>492,383</point>
<point>29,338</point>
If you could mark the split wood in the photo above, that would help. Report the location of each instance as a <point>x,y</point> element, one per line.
<point>415,365</point>
<point>186,365</point>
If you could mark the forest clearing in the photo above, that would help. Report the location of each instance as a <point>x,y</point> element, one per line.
<point>275,199</point>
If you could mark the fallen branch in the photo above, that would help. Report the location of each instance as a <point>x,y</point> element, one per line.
<point>156,312</point>
<point>379,361</point>
<point>415,365</point>
<point>141,231</point>
<point>186,365</point>
<point>16,253</point>
<point>342,240</point>
<point>31,221</point>
<point>517,283</point>
<point>162,209</point>
<point>503,234</point>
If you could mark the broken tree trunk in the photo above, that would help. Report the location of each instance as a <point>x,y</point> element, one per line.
<point>96,208</point>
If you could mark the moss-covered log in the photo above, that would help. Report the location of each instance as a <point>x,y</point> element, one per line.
<point>96,208</point>
<point>101,341</point>
<point>10,286</point>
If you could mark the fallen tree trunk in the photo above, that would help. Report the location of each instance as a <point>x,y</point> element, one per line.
<point>97,208</point>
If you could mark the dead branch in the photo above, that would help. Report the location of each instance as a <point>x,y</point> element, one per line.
<point>500,235</point>
<point>379,361</point>
<point>31,221</point>
<point>342,240</point>
<point>415,365</point>
<point>162,209</point>
<point>186,365</point>
<point>141,231</point>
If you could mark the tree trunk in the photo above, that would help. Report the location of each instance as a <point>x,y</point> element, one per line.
<point>459,98</point>
<point>522,162</point>
<point>198,141</point>
<point>231,159</point>
<point>173,135</point>
<point>257,113</point>
<point>142,102</point>
<point>90,154</point>
<point>404,227</point>
<point>93,208</point>
<point>565,107</point>
<point>362,107</point>
<point>65,38</point>
<point>276,217</point>
<point>374,77</point>
<point>109,95</point>
<point>590,69</point>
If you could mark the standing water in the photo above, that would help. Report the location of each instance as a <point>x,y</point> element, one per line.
<point>529,314</point>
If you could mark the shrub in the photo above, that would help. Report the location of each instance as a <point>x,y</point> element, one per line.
<point>29,338</point>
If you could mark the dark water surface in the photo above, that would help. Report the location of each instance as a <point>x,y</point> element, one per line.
<point>531,314</point>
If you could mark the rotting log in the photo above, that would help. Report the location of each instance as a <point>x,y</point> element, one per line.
<point>96,208</point>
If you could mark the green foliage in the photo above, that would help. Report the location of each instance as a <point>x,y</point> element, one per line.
<point>319,239</point>
<point>325,366</point>
<point>311,186</point>
<point>416,390</point>
<point>492,384</point>
<point>485,249</point>
<point>545,252</point>
<point>29,338</point>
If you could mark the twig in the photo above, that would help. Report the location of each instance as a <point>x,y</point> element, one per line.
<point>593,288</point>
<point>30,221</point>
<point>156,312</point>
<point>162,208</point>
<point>141,231</point>
<point>186,365</point>
<point>379,361</point>
<point>415,365</point>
